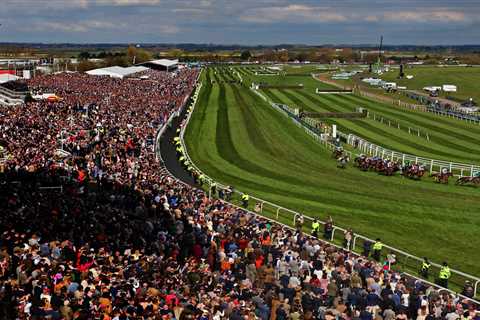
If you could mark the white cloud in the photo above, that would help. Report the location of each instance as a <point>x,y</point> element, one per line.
<point>426,16</point>
<point>129,2</point>
<point>371,18</point>
<point>190,10</point>
<point>168,29</point>
<point>76,27</point>
<point>292,13</point>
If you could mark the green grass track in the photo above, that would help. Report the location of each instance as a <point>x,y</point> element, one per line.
<point>239,140</point>
<point>450,140</point>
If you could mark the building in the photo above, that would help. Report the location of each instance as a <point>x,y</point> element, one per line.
<point>161,64</point>
<point>6,77</point>
<point>11,92</point>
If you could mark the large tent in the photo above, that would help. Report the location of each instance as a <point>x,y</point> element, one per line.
<point>116,71</point>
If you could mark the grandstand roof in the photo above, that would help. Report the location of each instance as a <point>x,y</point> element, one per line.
<point>8,77</point>
<point>116,71</point>
<point>164,62</point>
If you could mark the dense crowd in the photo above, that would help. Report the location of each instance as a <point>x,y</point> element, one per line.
<point>106,126</point>
<point>122,241</point>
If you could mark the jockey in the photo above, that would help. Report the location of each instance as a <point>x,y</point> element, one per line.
<point>444,171</point>
<point>476,174</point>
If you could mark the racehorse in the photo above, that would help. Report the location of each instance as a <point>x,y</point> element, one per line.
<point>363,163</point>
<point>466,180</point>
<point>391,169</point>
<point>441,177</point>
<point>388,167</point>
<point>343,161</point>
<point>380,166</point>
<point>337,154</point>
<point>413,172</point>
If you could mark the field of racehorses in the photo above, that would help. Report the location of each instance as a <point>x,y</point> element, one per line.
<point>239,139</point>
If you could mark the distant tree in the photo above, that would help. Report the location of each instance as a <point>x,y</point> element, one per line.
<point>312,55</point>
<point>301,56</point>
<point>116,60</point>
<point>101,55</point>
<point>84,55</point>
<point>86,65</point>
<point>325,55</point>
<point>137,55</point>
<point>283,56</point>
<point>473,58</point>
<point>269,55</point>
<point>347,55</point>
<point>245,55</point>
<point>175,53</point>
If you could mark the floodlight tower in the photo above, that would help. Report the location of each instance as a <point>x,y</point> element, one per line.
<point>379,54</point>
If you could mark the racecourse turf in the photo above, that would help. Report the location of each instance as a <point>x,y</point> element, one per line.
<point>465,78</point>
<point>448,139</point>
<point>238,139</point>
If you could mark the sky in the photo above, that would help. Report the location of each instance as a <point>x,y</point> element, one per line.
<point>245,22</point>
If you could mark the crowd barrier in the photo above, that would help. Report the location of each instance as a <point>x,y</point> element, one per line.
<point>406,263</point>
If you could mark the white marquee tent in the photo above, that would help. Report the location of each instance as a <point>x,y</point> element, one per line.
<point>116,71</point>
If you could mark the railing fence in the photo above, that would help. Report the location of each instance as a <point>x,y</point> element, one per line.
<point>368,148</point>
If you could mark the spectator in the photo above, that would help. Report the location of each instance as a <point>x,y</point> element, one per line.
<point>121,240</point>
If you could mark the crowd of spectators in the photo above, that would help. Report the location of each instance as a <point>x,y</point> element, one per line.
<point>121,240</point>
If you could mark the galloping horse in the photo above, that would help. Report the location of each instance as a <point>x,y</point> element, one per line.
<point>362,163</point>
<point>337,153</point>
<point>379,165</point>
<point>388,167</point>
<point>413,172</point>
<point>391,169</point>
<point>343,161</point>
<point>441,177</point>
<point>466,180</point>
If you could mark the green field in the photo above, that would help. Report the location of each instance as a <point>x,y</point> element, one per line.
<point>467,79</point>
<point>237,138</point>
<point>449,139</point>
